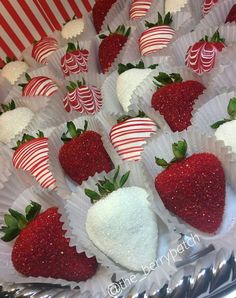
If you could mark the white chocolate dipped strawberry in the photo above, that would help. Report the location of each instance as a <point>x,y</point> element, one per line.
<point>31,155</point>
<point>83,98</point>
<point>225,128</point>
<point>157,36</point>
<point>201,56</point>
<point>13,120</point>
<point>13,69</point>
<point>125,87</point>
<point>75,60</point>
<point>122,224</point>
<point>130,134</point>
<point>207,6</point>
<point>139,9</point>
<point>38,86</point>
<point>44,48</point>
<point>73,28</point>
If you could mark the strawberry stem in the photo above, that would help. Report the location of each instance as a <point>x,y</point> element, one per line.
<point>105,187</point>
<point>215,38</point>
<point>179,149</point>
<point>73,131</point>
<point>167,20</point>
<point>121,30</point>
<point>231,109</point>
<point>7,107</point>
<point>26,138</point>
<point>73,85</point>
<point>15,222</point>
<point>123,118</point>
<point>71,47</point>
<point>124,67</point>
<point>164,79</point>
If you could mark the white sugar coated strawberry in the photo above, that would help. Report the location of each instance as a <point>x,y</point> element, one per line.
<point>73,28</point>
<point>174,6</point>
<point>32,156</point>
<point>123,226</point>
<point>44,48</point>
<point>207,6</point>
<point>13,70</point>
<point>157,37</point>
<point>139,9</point>
<point>226,133</point>
<point>82,98</point>
<point>40,86</point>
<point>126,87</point>
<point>13,121</point>
<point>129,136</point>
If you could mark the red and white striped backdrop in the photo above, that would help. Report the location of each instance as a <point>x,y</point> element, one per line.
<point>23,21</point>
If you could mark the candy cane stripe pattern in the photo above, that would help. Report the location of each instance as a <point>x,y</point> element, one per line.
<point>43,48</point>
<point>33,157</point>
<point>129,137</point>
<point>207,6</point>
<point>139,9</point>
<point>41,85</point>
<point>154,39</point>
<point>75,62</point>
<point>85,99</point>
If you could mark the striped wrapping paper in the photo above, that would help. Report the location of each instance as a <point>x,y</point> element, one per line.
<point>23,21</point>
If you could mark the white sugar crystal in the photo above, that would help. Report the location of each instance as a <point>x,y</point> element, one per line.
<point>13,122</point>
<point>124,227</point>
<point>127,82</point>
<point>226,133</point>
<point>13,70</point>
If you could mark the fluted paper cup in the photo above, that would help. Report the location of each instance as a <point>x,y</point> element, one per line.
<point>217,15</point>
<point>18,198</point>
<point>74,217</point>
<point>160,146</point>
<point>5,87</point>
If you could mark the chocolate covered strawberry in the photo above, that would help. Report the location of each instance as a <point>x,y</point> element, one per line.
<point>139,8</point>
<point>193,188</point>
<point>157,36</point>
<point>83,154</point>
<point>232,15</point>
<point>130,134</point>
<point>174,99</point>
<point>111,46</point>
<point>43,48</point>
<point>201,56</point>
<point>207,6</point>
<point>99,12</point>
<point>126,87</point>
<point>41,248</point>
<point>31,155</point>
<point>120,218</point>
<point>38,86</point>
<point>82,98</point>
<point>75,60</point>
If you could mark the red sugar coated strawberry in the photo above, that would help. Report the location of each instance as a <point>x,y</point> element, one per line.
<point>100,10</point>
<point>193,188</point>
<point>41,249</point>
<point>111,46</point>
<point>201,56</point>
<point>84,155</point>
<point>232,15</point>
<point>174,99</point>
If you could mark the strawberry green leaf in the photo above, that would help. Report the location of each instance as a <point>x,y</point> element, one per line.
<point>116,174</point>
<point>219,123</point>
<point>102,36</point>
<point>72,129</point>
<point>164,79</point>
<point>161,162</point>
<point>28,77</point>
<point>10,220</point>
<point>93,195</point>
<point>32,211</point>
<point>10,234</point>
<point>21,220</point>
<point>232,108</point>
<point>124,179</point>
<point>71,47</point>
<point>179,150</point>
<point>167,20</point>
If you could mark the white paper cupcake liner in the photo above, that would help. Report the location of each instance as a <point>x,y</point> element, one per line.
<point>27,53</point>
<point>142,96</point>
<point>54,60</point>
<point>161,146</point>
<point>16,90</point>
<point>211,112</point>
<point>86,34</point>
<point>109,94</point>
<point>217,15</point>
<point>74,212</point>
<point>180,46</point>
<point>64,184</point>
<point>5,87</point>
<point>18,198</point>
